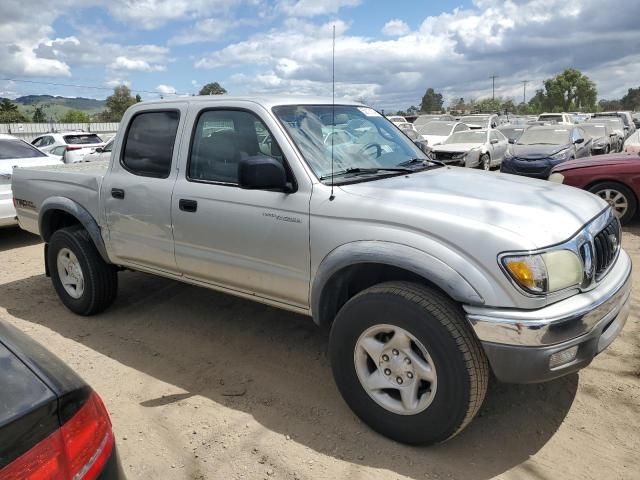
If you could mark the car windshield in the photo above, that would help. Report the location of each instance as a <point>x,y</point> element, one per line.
<point>512,133</point>
<point>594,130</point>
<point>360,138</point>
<point>480,119</point>
<point>436,128</point>
<point>550,118</point>
<point>83,139</point>
<point>545,136</point>
<point>469,136</point>
<point>12,149</point>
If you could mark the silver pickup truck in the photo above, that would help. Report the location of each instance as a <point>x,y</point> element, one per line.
<point>429,277</point>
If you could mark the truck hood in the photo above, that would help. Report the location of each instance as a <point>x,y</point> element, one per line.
<point>541,212</point>
<point>6,166</point>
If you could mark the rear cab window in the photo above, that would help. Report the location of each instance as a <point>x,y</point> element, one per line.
<point>149,142</point>
<point>82,139</point>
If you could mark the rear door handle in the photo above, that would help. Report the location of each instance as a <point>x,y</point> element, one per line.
<point>188,205</point>
<point>117,193</point>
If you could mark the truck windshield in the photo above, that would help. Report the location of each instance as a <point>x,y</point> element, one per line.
<point>362,139</point>
<point>13,149</point>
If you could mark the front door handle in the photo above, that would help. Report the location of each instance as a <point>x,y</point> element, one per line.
<point>188,205</point>
<point>117,193</point>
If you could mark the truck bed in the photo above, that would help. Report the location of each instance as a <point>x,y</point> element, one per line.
<point>78,181</point>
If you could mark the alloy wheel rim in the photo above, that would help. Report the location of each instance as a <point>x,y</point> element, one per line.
<point>395,369</point>
<point>70,273</point>
<point>486,164</point>
<point>616,200</point>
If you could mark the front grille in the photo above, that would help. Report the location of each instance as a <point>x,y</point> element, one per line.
<point>447,155</point>
<point>605,247</point>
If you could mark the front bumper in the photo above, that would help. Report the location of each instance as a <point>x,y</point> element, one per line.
<point>7,211</point>
<point>538,168</point>
<point>520,343</point>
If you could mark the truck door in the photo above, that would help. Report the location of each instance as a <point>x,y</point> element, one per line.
<point>250,241</point>
<point>137,189</point>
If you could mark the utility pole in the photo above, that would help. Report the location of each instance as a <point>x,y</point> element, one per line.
<point>524,90</point>
<point>493,84</point>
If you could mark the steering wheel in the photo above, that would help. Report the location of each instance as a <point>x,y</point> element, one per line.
<point>371,145</point>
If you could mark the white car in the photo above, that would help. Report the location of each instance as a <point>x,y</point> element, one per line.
<point>16,153</point>
<point>397,119</point>
<point>484,148</point>
<point>76,144</point>
<point>559,118</point>
<point>434,133</point>
<point>102,153</point>
<point>479,120</point>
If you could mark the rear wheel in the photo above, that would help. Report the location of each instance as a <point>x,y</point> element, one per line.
<point>85,283</point>
<point>406,362</point>
<point>619,196</point>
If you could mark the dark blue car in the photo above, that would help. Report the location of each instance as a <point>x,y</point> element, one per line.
<point>540,148</point>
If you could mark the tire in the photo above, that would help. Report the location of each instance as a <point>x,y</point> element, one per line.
<point>617,195</point>
<point>72,248</point>
<point>442,406</point>
<point>606,150</point>
<point>484,163</point>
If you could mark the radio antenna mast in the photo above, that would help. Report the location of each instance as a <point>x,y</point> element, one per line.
<point>333,104</point>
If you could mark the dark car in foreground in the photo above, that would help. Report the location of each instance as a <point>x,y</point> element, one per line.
<point>52,424</point>
<point>614,177</point>
<point>540,148</point>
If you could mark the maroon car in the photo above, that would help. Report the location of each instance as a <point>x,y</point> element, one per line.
<point>614,177</point>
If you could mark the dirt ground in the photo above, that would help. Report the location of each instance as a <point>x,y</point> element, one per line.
<point>201,385</point>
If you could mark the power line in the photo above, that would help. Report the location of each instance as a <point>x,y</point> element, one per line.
<point>92,87</point>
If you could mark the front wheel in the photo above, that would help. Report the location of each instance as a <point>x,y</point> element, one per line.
<point>485,162</point>
<point>406,362</point>
<point>621,199</point>
<point>85,283</point>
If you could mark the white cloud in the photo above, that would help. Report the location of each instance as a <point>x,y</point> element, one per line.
<point>395,28</point>
<point>313,8</point>
<point>165,90</point>
<point>134,65</point>
<point>454,52</point>
<point>115,82</point>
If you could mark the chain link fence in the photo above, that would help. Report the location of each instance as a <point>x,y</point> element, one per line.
<point>29,131</point>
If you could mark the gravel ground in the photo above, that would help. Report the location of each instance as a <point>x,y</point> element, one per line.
<point>203,385</point>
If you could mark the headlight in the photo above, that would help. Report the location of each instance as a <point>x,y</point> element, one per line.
<point>561,155</point>
<point>598,144</point>
<point>556,178</point>
<point>546,272</point>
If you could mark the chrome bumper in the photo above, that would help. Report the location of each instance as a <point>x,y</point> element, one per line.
<point>560,322</point>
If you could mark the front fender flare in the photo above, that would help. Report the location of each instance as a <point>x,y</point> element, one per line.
<point>73,208</point>
<point>394,254</point>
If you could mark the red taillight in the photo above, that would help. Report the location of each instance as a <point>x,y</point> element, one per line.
<point>69,148</point>
<point>78,450</point>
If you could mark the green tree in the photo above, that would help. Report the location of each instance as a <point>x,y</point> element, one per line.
<point>631,101</point>
<point>9,112</point>
<point>538,102</point>
<point>38,115</point>
<point>508,106</point>
<point>212,89</point>
<point>117,104</point>
<point>570,90</point>
<point>488,105</point>
<point>75,116</point>
<point>431,101</point>
<point>607,105</point>
<point>412,110</point>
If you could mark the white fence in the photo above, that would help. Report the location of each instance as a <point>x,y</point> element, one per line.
<point>29,131</point>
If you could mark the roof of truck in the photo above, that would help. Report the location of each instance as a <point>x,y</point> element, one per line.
<point>264,100</point>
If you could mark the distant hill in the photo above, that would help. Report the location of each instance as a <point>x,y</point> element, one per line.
<point>55,107</point>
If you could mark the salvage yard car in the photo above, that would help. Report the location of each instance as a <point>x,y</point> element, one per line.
<point>604,139</point>
<point>76,144</point>
<point>428,276</point>
<point>541,148</point>
<point>615,178</point>
<point>472,148</point>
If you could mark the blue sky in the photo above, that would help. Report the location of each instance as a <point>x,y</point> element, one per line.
<point>386,52</point>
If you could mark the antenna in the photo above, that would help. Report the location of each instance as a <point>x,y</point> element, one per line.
<point>333,104</point>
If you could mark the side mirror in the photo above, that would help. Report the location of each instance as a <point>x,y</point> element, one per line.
<point>262,173</point>
<point>99,149</point>
<point>579,140</point>
<point>494,140</point>
<point>613,134</point>
<point>512,141</point>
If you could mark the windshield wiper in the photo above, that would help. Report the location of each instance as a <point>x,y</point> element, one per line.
<point>366,171</point>
<point>423,161</point>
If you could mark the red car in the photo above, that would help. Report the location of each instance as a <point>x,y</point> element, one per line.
<point>614,177</point>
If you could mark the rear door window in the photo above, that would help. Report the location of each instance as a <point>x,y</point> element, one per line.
<point>148,145</point>
<point>84,139</point>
